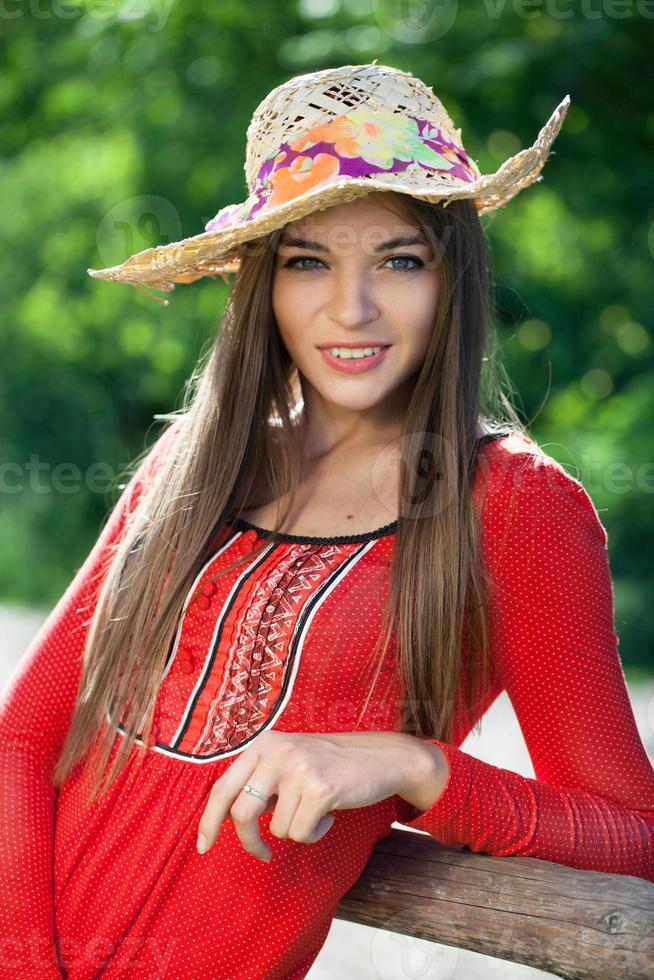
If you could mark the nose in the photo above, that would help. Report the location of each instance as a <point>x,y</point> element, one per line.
<point>351,300</point>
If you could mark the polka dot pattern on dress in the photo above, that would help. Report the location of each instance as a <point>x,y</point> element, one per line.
<point>118,889</point>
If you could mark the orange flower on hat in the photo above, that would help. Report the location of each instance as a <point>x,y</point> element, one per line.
<point>341,131</point>
<point>302,175</point>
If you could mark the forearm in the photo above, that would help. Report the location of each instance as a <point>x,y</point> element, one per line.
<point>417,769</point>
<point>497,811</point>
<point>426,775</point>
<point>27,944</point>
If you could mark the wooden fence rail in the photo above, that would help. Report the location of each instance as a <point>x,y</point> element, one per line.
<point>582,925</point>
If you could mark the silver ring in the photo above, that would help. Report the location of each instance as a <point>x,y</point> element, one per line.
<point>254,792</point>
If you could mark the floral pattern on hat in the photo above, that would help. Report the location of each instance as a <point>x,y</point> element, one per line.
<point>303,174</point>
<point>358,144</point>
<point>380,139</point>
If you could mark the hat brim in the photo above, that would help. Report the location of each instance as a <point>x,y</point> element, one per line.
<point>216,253</point>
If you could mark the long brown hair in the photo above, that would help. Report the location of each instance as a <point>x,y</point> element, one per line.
<point>240,442</point>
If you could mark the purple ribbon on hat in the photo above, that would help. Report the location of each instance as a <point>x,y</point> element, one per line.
<point>366,143</point>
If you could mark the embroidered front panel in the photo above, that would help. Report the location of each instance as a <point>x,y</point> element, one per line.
<point>239,644</point>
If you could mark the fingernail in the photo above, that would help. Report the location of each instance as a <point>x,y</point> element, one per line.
<point>201,843</point>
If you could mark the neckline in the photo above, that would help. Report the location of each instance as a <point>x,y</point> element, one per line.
<point>240,524</point>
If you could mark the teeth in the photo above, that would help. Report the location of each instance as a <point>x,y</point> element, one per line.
<point>349,352</point>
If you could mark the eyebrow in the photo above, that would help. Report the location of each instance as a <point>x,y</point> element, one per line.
<point>398,242</point>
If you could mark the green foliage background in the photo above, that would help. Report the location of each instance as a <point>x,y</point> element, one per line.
<point>123,126</point>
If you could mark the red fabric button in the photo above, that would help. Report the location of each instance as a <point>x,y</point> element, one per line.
<point>209,588</point>
<point>203,601</point>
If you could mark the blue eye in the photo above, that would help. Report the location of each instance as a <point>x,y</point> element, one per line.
<point>294,263</point>
<point>418,263</point>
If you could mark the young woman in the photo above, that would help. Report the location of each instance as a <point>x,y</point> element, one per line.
<point>325,570</point>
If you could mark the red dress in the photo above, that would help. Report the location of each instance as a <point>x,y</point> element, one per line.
<point>119,890</point>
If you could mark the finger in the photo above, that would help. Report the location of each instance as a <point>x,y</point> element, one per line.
<point>245,814</point>
<point>312,818</point>
<point>286,806</point>
<point>223,794</point>
<point>324,825</point>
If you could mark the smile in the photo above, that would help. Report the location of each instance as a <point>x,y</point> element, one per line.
<point>354,360</point>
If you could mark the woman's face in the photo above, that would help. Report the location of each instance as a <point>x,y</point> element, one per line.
<point>358,276</point>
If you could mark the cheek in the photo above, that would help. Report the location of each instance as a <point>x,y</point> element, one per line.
<point>279,301</point>
<point>415,310</point>
<point>283,311</point>
<point>430,291</point>
<point>291,301</point>
<point>292,311</point>
<point>418,319</point>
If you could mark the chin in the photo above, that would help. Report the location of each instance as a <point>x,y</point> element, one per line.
<point>368,397</point>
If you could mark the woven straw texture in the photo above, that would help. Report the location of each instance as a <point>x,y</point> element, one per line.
<point>328,137</point>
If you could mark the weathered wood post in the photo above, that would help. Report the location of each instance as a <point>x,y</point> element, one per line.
<point>578,924</point>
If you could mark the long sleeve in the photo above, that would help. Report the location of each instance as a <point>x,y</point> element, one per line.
<point>36,708</point>
<point>553,645</point>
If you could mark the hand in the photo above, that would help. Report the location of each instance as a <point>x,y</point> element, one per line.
<point>307,776</point>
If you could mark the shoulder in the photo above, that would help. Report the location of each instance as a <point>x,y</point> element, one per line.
<point>151,460</point>
<point>167,442</point>
<point>522,491</point>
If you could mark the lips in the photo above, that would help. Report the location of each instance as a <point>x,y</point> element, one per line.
<point>355,365</point>
<point>354,345</point>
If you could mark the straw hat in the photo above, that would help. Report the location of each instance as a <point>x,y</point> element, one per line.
<point>331,136</point>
